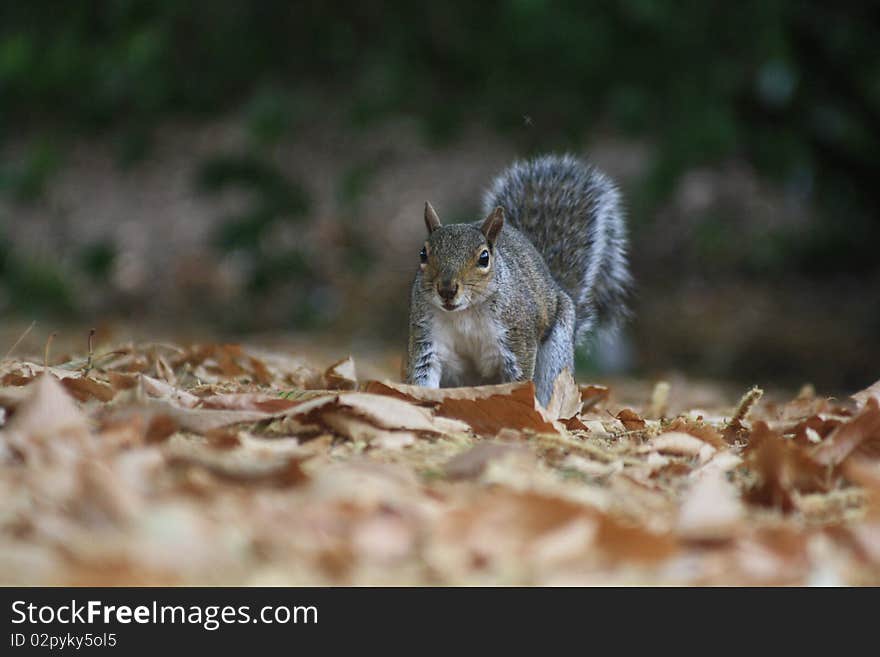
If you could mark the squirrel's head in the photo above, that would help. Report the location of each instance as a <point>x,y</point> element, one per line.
<point>458,260</point>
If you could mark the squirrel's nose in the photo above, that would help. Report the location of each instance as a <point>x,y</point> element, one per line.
<point>447,290</point>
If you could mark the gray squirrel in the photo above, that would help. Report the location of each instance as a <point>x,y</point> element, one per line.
<point>507,299</point>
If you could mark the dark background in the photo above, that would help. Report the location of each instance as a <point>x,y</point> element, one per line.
<point>261,166</point>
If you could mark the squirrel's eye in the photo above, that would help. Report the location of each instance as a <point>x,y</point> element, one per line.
<point>423,255</point>
<point>484,259</point>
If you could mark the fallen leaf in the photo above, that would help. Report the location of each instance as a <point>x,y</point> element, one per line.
<point>592,395</point>
<point>248,401</point>
<point>784,470</point>
<point>243,465</point>
<point>199,420</point>
<point>487,409</point>
<point>162,390</point>
<point>680,444</point>
<point>85,388</point>
<point>631,420</point>
<point>701,430</point>
<point>860,434</point>
<point>379,410</point>
<point>470,464</point>
<point>565,400</point>
<point>711,510</point>
<point>341,375</point>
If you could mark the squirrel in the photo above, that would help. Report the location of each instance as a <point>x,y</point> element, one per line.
<point>508,299</point>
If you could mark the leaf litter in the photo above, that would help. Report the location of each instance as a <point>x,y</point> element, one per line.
<point>223,464</point>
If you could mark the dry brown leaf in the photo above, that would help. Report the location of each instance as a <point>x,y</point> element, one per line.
<point>199,420</point>
<point>784,469</point>
<point>122,380</point>
<point>341,375</point>
<point>681,444</point>
<point>861,435</point>
<point>162,390</point>
<point>704,432</point>
<point>248,401</point>
<point>631,420</point>
<point>379,410</point>
<point>593,395</point>
<point>565,400</point>
<point>487,409</point>
<point>260,372</point>
<point>164,371</point>
<point>815,428</point>
<point>84,388</point>
<point>16,379</point>
<point>575,424</point>
<point>624,542</point>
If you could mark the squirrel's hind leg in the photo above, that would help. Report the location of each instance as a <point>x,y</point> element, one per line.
<point>556,352</point>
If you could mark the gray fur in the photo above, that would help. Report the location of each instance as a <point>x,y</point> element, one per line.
<point>557,266</point>
<point>573,214</point>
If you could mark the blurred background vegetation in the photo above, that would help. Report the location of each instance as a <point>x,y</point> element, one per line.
<point>259,166</point>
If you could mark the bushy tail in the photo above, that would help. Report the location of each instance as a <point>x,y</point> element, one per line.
<point>573,215</point>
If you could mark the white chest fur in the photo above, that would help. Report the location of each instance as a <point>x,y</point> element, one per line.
<point>469,346</point>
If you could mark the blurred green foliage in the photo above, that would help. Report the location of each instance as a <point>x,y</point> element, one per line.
<point>791,86</point>
<point>32,284</point>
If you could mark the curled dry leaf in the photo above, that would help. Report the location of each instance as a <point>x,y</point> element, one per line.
<point>680,444</point>
<point>784,470</point>
<point>631,420</point>
<point>163,390</point>
<point>84,388</point>
<point>815,428</point>
<point>565,400</point>
<point>249,401</point>
<point>705,432</point>
<point>487,409</point>
<point>593,395</point>
<point>861,434</point>
<point>379,410</point>
<point>199,420</point>
<point>341,375</point>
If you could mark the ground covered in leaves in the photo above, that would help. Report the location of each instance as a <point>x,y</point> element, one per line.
<point>220,464</point>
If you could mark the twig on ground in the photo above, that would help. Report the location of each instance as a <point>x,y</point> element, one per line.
<point>20,338</point>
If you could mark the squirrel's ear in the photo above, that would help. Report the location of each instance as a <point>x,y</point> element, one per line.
<point>493,224</point>
<point>432,221</point>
